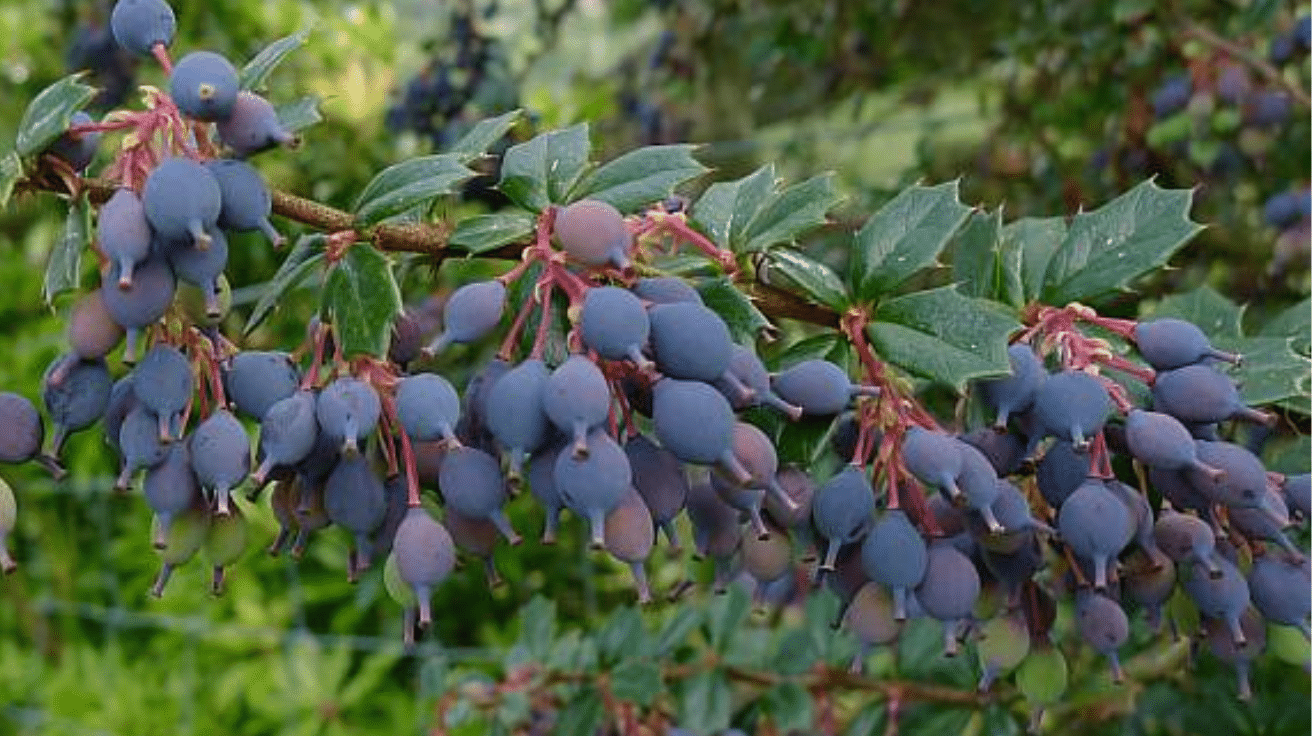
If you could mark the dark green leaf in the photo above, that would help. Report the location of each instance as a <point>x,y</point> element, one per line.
<point>362,299</point>
<point>541,171</point>
<point>484,135</point>
<point>1295,322</point>
<point>1213,313</point>
<point>745,321</point>
<point>867,721</point>
<point>11,170</point>
<point>942,335</point>
<point>49,114</point>
<point>904,236</point>
<point>482,233</point>
<point>986,266</point>
<point>1271,372</point>
<point>256,72</point>
<point>538,627</point>
<point>637,681</point>
<point>1104,249</point>
<point>581,716</point>
<point>796,653</point>
<point>640,177</point>
<point>822,346</point>
<point>1036,239</point>
<point>803,441</point>
<point>704,702</point>
<point>790,213</point>
<point>408,184</point>
<point>675,631</point>
<point>790,705</point>
<point>813,279</point>
<point>623,636</point>
<point>64,269</point>
<point>299,115</point>
<point>726,208</point>
<point>303,258</point>
<point>724,615</point>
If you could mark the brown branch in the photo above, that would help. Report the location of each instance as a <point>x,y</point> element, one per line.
<point>1257,63</point>
<point>431,240</point>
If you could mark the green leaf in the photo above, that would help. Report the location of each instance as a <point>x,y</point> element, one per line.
<point>303,258</point>
<point>542,171</point>
<point>904,236</point>
<point>985,265</point>
<point>795,654</point>
<point>1295,322</point>
<point>1213,313</point>
<point>299,115</point>
<point>623,637</point>
<point>1271,372</point>
<point>790,706</point>
<point>484,135</point>
<point>1106,248</point>
<point>362,300</point>
<point>1037,239</point>
<point>11,171</point>
<point>49,114</point>
<point>942,335</point>
<point>745,321</point>
<point>582,716</point>
<point>637,681</point>
<point>64,269</point>
<point>257,70</point>
<point>726,208</point>
<point>538,627</point>
<point>790,213</point>
<point>724,615</point>
<point>483,233</point>
<point>813,279</point>
<point>406,185</point>
<point>704,702</point>
<point>675,631</point>
<point>640,177</point>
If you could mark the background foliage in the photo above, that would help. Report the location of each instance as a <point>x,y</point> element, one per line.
<point>1039,107</point>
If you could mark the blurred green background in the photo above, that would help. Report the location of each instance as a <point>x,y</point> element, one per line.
<point>1039,106</point>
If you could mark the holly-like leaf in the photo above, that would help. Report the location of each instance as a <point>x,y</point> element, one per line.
<point>50,113</point>
<point>726,208</point>
<point>745,321</point>
<point>64,269</point>
<point>303,258</point>
<point>904,236</point>
<point>636,681</point>
<point>1037,238</point>
<point>704,702</point>
<point>1213,313</point>
<point>1295,322</point>
<point>541,171</point>
<point>791,212</point>
<point>1106,248</point>
<point>362,299</point>
<point>403,186</point>
<point>813,279</point>
<point>11,170</point>
<point>640,177</point>
<point>942,335</point>
<point>299,115</point>
<point>485,134</point>
<point>1272,373</point>
<point>984,264</point>
<point>257,70</point>
<point>483,233</point>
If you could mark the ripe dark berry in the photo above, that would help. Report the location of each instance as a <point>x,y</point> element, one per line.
<point>204,86</point>
<point>140,25</point>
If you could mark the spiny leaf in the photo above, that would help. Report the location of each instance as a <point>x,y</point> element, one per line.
<point>64,269</point>
<point>403,186</point>
<point>299,115</point>
<point>726,208</point>
<point>304,256</point>
<point>50,113</point>
<point>362,300</point>
<point>640,177</point>
<point>485,134</point>
<point>257,70</point>
<point>791,212</point>
<point>984,264</point>
<point>904,236</point>
<point>1213,313</point>
<point>1295,322</point>
<point>942,335</point>
<point>745,321</point>
<point>482,233</point>
<point>1037,238</point>
<point>541,171</point>
<point>1106,248</point>
<point>813,279</point>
